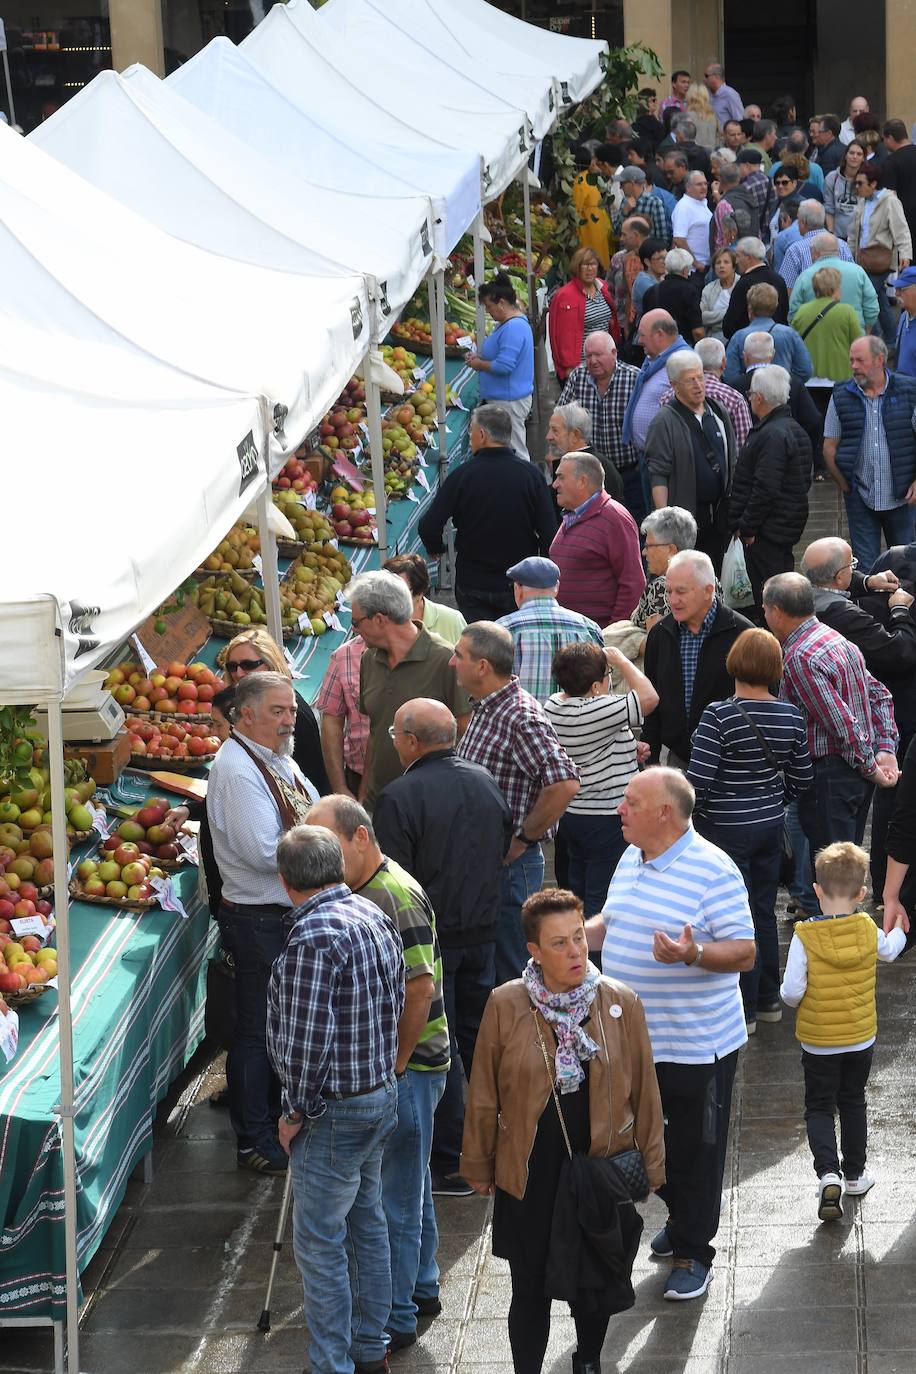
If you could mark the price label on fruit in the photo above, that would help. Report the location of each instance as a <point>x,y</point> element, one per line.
<point>418,373</point>
<point>458,403</point>
<point>423,479</point>
<point>470,281</point>
<point>100,822</point>
<point>257,564</point>
<point>363,429</point>
<point>330,619</point>
<point>149,665</point>
<point>33,925</point>
<point>310,503</point>
<point>168,897</point>
<point>9,1033</point>
<point>465,341</point>
<point>412,496</point>
<point>188,846</point>
<point>303,622</point>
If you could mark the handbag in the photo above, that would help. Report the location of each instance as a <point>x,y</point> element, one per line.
<point>875,258</point>
<point>629,1163</point>
<point>818,317</point>
<point>786,852</point>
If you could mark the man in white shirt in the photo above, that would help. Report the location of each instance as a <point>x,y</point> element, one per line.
<point>690,221</point>
<point>858,105</point>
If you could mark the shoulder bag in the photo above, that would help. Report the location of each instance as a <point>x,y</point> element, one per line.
<point>787,853</point>
<point>817,319</point>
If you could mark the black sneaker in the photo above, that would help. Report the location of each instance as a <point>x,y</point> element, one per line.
<point>263,1161</point>
<point>427,1307</point>
<point>769,1011</point>
<point>450,1185</point>
<point>400,1340</point>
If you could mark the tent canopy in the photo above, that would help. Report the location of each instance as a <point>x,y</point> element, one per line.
<point>121,514</point>
<point>320,143</point>
<point>138,140</point>
<point>76,262</point>
<point>298,52</point>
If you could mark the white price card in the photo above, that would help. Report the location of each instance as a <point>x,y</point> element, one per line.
<point>310,502</point>
<point>292,662</point>
<point>257,564</point>
<point>188,846</point>
<point>470,281</point>
<point>9,1033</point>
<point>168,897</point>
<point>465,341</point>
<point>330,619</point>
<point>100,822</point>
<point>458,403</point>
<point>363,429</point>
<point>333,543</point>
<point>412,496</point>
<point>148,665</point>
<point>32,925</point>
<point>418,373</point>
<point>304,619</point>
<point>423,479</point>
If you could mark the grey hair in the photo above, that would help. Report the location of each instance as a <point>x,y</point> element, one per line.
<point>711,353</point>
<point>752,247</point>
<point>672,525</point>
<point>699,563</point>
<point>680,362</point>
<point>688,127</point>
<point>253,686</point>
<point>635,175</point>
<point>495,420</point>
<point>381,593</point>
<point>823,573</point>
<point>678,260</point>
<point>677,788</point>
<point>728,173</point>
<point>728,224</point>
<point>607,340</point>
<point>772,383</point>
<point>577,417</point>
<point>759,347</point>
<point>790,593</point>
<point>726,158</point>
<point>812,213</point>
<point>348,816</point>
<point>586,466</point>
<point>487,640</point>
<point>824,246</point>
<point>310,856</point>
<point>876,347</point>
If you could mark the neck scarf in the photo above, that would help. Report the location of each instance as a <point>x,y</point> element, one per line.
<point>565,1011</point>
<point>648,370</point>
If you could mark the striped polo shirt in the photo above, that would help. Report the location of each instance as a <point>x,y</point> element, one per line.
<point>693,1016</point>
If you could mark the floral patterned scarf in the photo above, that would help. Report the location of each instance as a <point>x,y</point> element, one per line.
<point>565,1011</point>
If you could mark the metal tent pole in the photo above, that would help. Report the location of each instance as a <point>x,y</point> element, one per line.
<point>270,574</point>
<point>436,288</point>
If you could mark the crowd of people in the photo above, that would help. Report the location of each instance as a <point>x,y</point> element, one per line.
<point>416,1014</point>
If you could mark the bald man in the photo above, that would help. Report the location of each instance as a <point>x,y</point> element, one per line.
<point>446,821</point>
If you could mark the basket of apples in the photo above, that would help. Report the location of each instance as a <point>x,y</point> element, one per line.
<point>26,968</point>
<point>147,831</point>
<point>182,746</point>
<point>354,522</point>
<point>296,476</point>
<point>176,689</point>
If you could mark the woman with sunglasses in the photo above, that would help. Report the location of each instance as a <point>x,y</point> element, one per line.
<point>840,199</point>
<point>254,651</point>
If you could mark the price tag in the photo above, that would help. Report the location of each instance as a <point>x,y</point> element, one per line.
<point>100,822</point>
<point>9,1034</point>
<point>423,479</point>
<point>258,565</point>
<point>419,374</point>
<point>333,543</point>
<point>310,502</point>
<point>304,619</point>
<point>32,925</point>
<point>168,897</point>
<point>412,496</point>
<point>470,281</point>
<point>458,403</point>
<point>363,429</point>
<point>375,534</point>
<point>148,664</point>
<point>292,663</point>
<point>70,867</point>
<point>465,341</point>
<point>188,846</point>
<point>330,619</point>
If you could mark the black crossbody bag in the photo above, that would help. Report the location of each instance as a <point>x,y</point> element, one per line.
<point>787,856</point>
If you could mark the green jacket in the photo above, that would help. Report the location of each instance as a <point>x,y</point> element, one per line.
<point>855,290</point>
<point>828,341</point>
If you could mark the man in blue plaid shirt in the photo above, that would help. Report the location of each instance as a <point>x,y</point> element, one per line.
<point>541,626</point>
<point>335,997</point>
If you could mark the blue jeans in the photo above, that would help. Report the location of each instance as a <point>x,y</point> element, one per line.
<point>407,1197</point>
<point>886,325</point>
<point>634,496</point>
<point>468,978</point>
<point>756,850</point>
<point>254,938</point>
<point>800,888</point>
<point>866,527</point>
<point>519,881</point>
<point>836,807</point>
<point>594,845</point>
<point>340,1239</point>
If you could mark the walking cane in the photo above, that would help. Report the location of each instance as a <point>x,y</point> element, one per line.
<point>264,1319</point>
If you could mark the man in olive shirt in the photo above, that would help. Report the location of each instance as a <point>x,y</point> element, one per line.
<point>402,661</point>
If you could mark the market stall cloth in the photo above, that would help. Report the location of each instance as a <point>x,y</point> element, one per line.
<point>299,54</point>
<point>76,262</point>
<point>324,145</point>
<point>371,28</point>
<point>139,981</point>
<point>137,139</point>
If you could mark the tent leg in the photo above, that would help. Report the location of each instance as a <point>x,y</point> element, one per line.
<point>58,1347</point>
<point>270,574</point>
<point>479,277</point>
<point>529,268</point>
<point>64,1014</point>
<point>374,422</point>
<point>436,287</point>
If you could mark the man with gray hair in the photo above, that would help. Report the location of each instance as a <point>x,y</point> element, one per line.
<point>502,512</point>
<point>724,99</point>
<point>686,653</point>
<point>402,660</point>
<point>754,270</point>
<point>690,454</point>
<point>768,504</point>
<point>855,284</point>
<point>711,353</point>
<point>603,385</point>
<point>335,997</point>
<point>511,737</point>
<point>759,351</point>
<point>569,430</point>
<point>812,218</point>
<point>597,546</point>
<point>639,200</point>
<point>690,221</point>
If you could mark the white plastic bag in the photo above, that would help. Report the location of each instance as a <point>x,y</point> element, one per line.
<point>736,585</point>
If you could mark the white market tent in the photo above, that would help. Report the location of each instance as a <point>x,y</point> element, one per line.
<point>86,411</point>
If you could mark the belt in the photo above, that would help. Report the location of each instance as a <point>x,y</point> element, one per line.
<point>363,1092</point>
<point>266,908</point>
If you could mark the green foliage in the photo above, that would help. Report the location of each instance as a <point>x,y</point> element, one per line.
<point>15,748</point>
<point>626,71</point>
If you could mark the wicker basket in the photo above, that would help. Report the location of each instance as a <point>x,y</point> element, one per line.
<point>201,574</point>
<point>122,902</point>
<point>170,717</point>
<point>425,350</point>
<point>227,629</point>
<point>26,995</point>
<point>153,762</point>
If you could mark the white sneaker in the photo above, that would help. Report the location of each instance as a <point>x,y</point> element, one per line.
<point>830,1198</point>
<point>858,1187</point>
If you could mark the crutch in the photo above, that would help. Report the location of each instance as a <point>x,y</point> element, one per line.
<point>264,1319</point>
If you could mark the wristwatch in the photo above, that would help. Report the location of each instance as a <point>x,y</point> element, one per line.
<point>523,838</point>
<point>698,958</point>
<point>293,1118</point>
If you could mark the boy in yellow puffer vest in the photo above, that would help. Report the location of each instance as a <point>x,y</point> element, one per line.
<point>830,977</point>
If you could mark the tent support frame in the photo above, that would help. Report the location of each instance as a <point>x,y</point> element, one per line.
<point>436,288</point>
<point>270,575</point>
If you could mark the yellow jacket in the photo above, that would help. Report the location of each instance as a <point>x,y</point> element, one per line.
<point>838,1007</point>
<point>594,220</point>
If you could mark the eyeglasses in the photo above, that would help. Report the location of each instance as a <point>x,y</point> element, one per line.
<point>393,731</point>
<point>666,544</point>
<point>245,665</point>
<point>853,564</point>
<point>357,620</point>
<point>782,181</point>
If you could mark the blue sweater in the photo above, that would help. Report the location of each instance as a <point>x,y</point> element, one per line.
<point>510,351</point>
<point>790,351</point>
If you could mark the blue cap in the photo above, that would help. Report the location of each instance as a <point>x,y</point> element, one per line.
<point>534,572</point>
<point>906,278</point>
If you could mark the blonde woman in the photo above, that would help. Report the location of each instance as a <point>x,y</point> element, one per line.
<point>254,651</point>
<point>700,110</point>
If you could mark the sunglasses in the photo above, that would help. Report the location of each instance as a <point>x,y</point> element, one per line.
<point>245,665</point>
<point>782,181</point>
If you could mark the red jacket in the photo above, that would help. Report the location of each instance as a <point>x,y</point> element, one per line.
<point>601,572</point>
<point>566,324</point>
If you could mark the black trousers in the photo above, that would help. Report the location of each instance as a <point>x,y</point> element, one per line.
<point>483,605</point>
<point>712,534</point>
<point>885,799</point>
<point>696,1101</point>
<point>836,1083</point>
<point>529,1326</point>
<point>764,560</point>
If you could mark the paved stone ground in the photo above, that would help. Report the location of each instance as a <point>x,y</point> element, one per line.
<point>178,1284</point>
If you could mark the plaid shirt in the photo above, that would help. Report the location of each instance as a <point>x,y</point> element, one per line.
<point>539,628</point>
<point>729,399</point>
<point>510,736</point>
<point>763,191</point>
<point>338,695</point>
<point>798,257</point>
<point>651,209</point>
<point>690,645</point>
<point>606,411</point>
<point>846,710</point>
<point>334,999</point>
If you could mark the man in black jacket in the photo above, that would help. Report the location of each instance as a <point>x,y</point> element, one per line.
<point>877,616</point>
<point>759,351</point>
<point>752,264</point>
<point>768,505</point>
<point>685,656</point>
<point>447,822</point>
<point>501,508</point>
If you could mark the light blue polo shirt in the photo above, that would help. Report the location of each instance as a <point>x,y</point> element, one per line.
<point>694,1016</point>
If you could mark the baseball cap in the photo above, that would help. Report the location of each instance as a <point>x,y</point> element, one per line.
<point>905,278</point>
<point>534,572</point>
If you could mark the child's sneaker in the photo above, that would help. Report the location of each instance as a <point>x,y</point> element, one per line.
<point>858,1187</point>
<point>830,1198</point>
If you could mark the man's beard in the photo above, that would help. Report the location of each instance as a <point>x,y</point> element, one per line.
<point>552,451</point>
<point>286,745</point>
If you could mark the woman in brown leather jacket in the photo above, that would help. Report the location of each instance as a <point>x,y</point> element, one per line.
<point>561,1024</point>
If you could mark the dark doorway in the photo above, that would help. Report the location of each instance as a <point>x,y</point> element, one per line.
<point>764,60</point>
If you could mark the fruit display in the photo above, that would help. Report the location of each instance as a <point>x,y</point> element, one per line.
<point>123,881</point>
<point>353,520</point>
<point>417,331</point>
<point>339,429</point>
<point>312,586</point>
<point>401,361</point>
<point>229,603</point>
<point>294,475</point>
<point>25,810</point>
<point>146,834</point>
<point>175,688</point>
<point>311,526</point>
<point>25,967</point>
<point>25,881</point>
<point>172,741</point>
<point>236,551</point>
